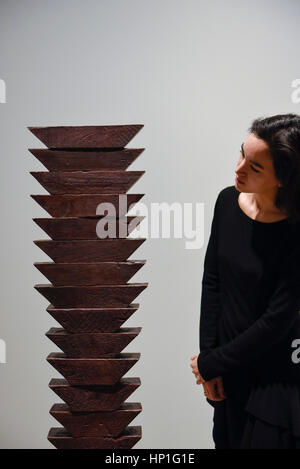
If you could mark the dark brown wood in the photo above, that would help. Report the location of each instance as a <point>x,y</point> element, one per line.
<point>96,424</point>
<point>89,291</point>
<point>76,320</point>
<point>96,345</point>
<point>87,136</point>
<point>64,160</point>
<point>62,229</point>
<point>84,205</point>
<point>101,273</point>
<point>91,296</point>
<point>100,250</point>
<point>94,398</point>
<point>63,440</point>
<point>91,371</point>
<point>87,182</point>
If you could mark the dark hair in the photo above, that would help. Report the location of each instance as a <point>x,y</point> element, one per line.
<point>282,134</point>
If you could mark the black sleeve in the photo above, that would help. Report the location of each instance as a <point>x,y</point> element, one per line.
<point>210,297</point>
<point>271,327</point>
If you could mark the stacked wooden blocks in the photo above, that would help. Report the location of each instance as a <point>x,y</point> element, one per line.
<point>89,292</point>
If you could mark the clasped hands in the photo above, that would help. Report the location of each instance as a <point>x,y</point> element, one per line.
<point>213,389</point>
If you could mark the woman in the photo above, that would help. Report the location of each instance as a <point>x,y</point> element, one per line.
<point>249,323</point>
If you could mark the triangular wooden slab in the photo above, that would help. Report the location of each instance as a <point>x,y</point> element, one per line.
<point>96,424</point>
<point>63,440</point>
<point>96,345</point>
<point>101,273</point>
<point>100,250</point>
<point>104,296</point>
<point>87,182</point>
<point>76,320</point>
<point>93,371</point>
<point>62,229</point>
<point>64,160</point>
<point>94,398</point>
<point>86,136</point>
<point>85,205</point>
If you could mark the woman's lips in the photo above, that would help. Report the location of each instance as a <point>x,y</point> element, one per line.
<point>238,180</point>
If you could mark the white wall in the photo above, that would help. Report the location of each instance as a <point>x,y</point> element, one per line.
<point>196,74</point>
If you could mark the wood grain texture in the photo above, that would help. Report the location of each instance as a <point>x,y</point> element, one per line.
<point>64,160</point>
<point>96,424</point>
<point>76,320</point>
<point>93,371</point>
<point>100,250</point>
<point>94,398</point>
<point>89,291</point>
<point>93,345</point>
<point>84,205</point>
<point>62,229</point>
<point>89,136</point>
<point>100,273</point>
<point>63,440</point>
<point>91,296</point>
<point>87,182</point>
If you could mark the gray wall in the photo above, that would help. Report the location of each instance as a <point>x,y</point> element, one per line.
<point>195,73</point>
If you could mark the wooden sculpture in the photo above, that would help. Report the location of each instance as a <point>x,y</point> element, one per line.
<point>89,293</point>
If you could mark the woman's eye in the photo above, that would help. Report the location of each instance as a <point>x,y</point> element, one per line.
<point>253,169</point>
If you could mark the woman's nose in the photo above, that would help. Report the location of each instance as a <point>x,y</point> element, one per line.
<point>240,167</point>
<point>240,173</point>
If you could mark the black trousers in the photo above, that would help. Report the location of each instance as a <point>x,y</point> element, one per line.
<point>234,428</point>
<point>229,423</point>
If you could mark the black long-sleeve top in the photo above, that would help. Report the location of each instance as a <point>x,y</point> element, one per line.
<point>250,297</point>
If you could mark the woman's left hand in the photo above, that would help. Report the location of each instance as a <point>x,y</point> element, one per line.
<point>194,366</point>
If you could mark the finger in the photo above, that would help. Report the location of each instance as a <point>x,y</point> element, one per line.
<point>207,391</point>
<point>213,393</point>
<point>216,390</point>
<point>194,369</point>
<point>208,394</point>
<point>221,388</point>
<point>212,396</point>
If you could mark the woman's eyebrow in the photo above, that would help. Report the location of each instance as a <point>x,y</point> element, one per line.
<point>255,163</point>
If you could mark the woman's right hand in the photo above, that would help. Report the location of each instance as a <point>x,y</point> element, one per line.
<point>213,389</point>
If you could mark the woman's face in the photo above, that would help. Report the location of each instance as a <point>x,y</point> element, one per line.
<point>255,170</point>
